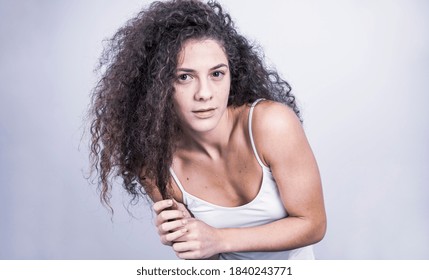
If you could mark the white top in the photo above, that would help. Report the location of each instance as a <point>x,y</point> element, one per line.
<point>266,207</point>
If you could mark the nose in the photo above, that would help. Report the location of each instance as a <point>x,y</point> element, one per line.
<point>204,91</point>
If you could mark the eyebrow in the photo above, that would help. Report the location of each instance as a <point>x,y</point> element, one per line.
<point>188,70</point>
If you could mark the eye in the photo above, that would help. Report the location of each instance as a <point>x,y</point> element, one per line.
<point>183,77</point>
<point>217,74</point>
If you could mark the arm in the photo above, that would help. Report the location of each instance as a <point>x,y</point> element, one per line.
<point>283,147</point>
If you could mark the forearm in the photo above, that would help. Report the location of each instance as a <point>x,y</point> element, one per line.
<point>285,234</point>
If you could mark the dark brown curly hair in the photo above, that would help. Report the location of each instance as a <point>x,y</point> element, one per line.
<point>133,123</point>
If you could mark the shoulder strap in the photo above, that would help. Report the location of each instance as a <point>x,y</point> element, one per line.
<point>251,133</point>
<point>177,181</point>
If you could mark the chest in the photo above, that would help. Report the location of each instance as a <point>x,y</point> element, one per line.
<point>232,180</point>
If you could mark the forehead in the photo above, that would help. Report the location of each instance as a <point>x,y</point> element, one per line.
<point>200,53</point>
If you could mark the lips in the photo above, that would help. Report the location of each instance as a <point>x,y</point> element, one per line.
<point>203,110</point>
<point>204,113</point>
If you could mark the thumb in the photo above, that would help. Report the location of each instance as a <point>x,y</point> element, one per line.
<point>180,206</point>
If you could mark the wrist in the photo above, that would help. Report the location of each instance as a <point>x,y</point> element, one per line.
<point>225,244</point>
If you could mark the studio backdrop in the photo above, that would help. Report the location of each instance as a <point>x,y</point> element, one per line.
<point>359,70</point>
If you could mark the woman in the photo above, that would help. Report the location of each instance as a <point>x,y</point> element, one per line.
<point>187,113</point>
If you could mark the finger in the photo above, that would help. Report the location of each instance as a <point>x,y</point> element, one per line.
<point>168,215</point>
<point>165,242</point>
<point>186,246</point>
<point>189,255</point>
<point>162,205</point>
<point>173,236</point>
<point>187,250</point>
<point>181,207</point>
<point>171,226</point>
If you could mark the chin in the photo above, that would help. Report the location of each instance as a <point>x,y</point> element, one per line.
<point>202,126</point>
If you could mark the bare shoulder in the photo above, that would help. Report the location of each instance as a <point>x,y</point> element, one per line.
<point>272,118</point>
<point>275,127</point>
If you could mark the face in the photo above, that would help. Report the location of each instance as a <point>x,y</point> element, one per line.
<point>202,85</point>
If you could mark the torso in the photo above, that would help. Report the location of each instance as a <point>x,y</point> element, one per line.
<point>235,191</point>
<point>231,180</point>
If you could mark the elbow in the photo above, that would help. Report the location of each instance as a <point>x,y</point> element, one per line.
<point>319,230</point>
<point>315,230</point>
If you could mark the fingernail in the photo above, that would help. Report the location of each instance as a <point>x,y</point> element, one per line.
<point>184,222</point>
<point>184,230</point>
<point>170,202</point>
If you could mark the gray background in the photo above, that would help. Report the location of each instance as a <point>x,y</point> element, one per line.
<point>358,68</point>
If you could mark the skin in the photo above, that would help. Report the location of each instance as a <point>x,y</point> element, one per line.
<point>215,162</point>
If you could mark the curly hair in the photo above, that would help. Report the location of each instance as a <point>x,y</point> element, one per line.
<point>133,123</point>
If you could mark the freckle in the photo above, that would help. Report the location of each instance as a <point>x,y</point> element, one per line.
<point>187,179</point>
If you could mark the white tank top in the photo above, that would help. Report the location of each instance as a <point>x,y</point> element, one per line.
<point>266,207</point>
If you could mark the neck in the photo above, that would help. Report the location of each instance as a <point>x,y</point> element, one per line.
<point>212,143</point>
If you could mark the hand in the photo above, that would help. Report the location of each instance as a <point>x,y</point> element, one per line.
<point>171,216</point>
<point>199,241</point>
<point>190,238</point>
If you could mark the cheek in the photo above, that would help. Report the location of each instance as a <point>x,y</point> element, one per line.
<point>179,104</point>
<point>228,83</point>
<point>226,88</point>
